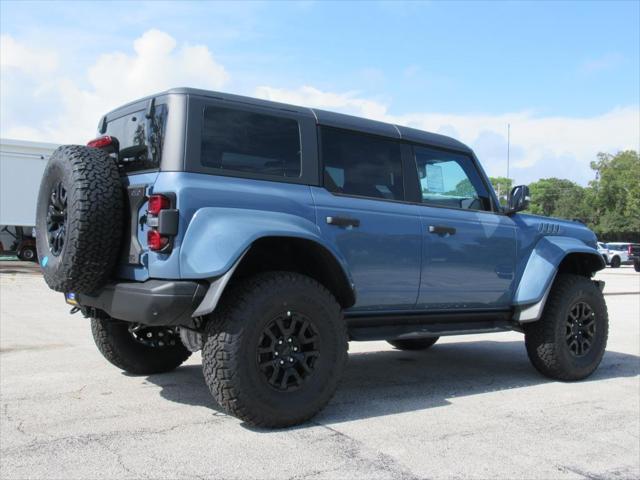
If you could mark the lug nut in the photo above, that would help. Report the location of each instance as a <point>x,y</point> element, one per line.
<point>288,313</point>
<point>161,344</point>
<point>149,335</point>
<point>295,349</point>
<point>290,359</point>
<point>279,342</point>
<point>160,334</point>
<point>289,340</point>
<point>276,354</point>
<point>281,362</point>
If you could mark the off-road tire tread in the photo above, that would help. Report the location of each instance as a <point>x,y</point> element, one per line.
<point>95,221</point>
<point>224,330</point>
<point>540,335</point>
<point>125,353</point>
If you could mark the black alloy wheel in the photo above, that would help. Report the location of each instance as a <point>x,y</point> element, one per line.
<point>57,219</point>
<point>287,351</point>
<point>580,328</point>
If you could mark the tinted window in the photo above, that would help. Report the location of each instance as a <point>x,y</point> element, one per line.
<point>250,142</point>
<point>364,165</point>
<point>450,180</point>
<point>140,139</point>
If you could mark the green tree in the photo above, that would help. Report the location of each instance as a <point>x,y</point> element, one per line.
<point>502,187</point>
<point>615,196</point>
<point>558,197</point>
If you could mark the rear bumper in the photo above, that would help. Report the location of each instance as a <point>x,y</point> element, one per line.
<point>153,302</point>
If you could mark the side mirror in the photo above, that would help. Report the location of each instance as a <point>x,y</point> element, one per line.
<point>518,199</point>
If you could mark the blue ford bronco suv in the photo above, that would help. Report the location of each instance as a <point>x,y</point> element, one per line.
<point>269,236</point>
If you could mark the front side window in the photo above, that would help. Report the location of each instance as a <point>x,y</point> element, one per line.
<point>449,179</point>
<point>249,142</point>
<point>362,165</point>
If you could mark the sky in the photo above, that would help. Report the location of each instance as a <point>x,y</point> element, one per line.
<point>564,75</point>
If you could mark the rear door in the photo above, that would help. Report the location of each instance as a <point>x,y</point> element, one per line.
<point>469,251</point>
<point>361,210</point>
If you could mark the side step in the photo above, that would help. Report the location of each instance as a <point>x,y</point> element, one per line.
<point>407,326</point>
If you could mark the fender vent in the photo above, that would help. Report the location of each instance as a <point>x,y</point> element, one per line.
<point>549,228</point>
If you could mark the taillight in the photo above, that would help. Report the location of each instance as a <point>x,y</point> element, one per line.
<point>101,142</point>
<point>155,241</point>
<point>162,220</point>
<point>629,249</point>
<point>157,203</point>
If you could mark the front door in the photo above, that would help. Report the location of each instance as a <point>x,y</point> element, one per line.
<point>469,251</point>
<point>360,210</point>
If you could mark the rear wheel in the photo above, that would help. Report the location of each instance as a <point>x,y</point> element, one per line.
<point>414,343</point>
<point>636,264</point>
<point>139,349</point>
<point>274,353</point>
<point>615,262</point>
<point>569,341</point>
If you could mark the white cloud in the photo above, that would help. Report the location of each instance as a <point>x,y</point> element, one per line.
<point>307,96</point>
<point>541,146</point>
<point>19,57</point>
<point>42,101</point>
<point>605,62</point>
<point>157,63</point>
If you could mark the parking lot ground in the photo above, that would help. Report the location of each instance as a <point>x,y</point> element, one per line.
<point>471,407</point>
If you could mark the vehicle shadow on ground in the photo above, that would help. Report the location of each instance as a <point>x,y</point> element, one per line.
<point>390,381</point>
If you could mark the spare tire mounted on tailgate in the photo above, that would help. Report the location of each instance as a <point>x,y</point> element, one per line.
<point>79,219</point>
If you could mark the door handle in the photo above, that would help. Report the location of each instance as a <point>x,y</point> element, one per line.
<point>343,221</point>
<point>441,230</point>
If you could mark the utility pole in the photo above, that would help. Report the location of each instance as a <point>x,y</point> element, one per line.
<point>508,146</point>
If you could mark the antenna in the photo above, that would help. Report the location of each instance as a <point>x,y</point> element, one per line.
<point>508,146</point>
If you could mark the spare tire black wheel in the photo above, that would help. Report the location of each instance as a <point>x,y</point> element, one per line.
<point>79,220</point>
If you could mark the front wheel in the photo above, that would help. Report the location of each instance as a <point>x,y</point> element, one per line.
<point>274,353</point>
<point>569,341</point>
<point>139,349</point>
<point>615,262</point>
<point>413,343</point>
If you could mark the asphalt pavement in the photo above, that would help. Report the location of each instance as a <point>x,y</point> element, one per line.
<point>471,407</point>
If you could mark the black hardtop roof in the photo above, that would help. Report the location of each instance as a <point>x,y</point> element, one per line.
<point>323,117</point>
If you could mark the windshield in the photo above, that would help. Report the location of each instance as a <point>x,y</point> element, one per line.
<point>140,139</point>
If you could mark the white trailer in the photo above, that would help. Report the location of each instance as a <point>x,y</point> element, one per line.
<point>21,166</point>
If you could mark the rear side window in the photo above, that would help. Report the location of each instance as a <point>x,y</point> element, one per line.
<point>362,165</point>
<point>140,139</point>
<point>249,142</point>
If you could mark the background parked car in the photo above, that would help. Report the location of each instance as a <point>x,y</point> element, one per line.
<point>604,251</point>
<point>621,253</point>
